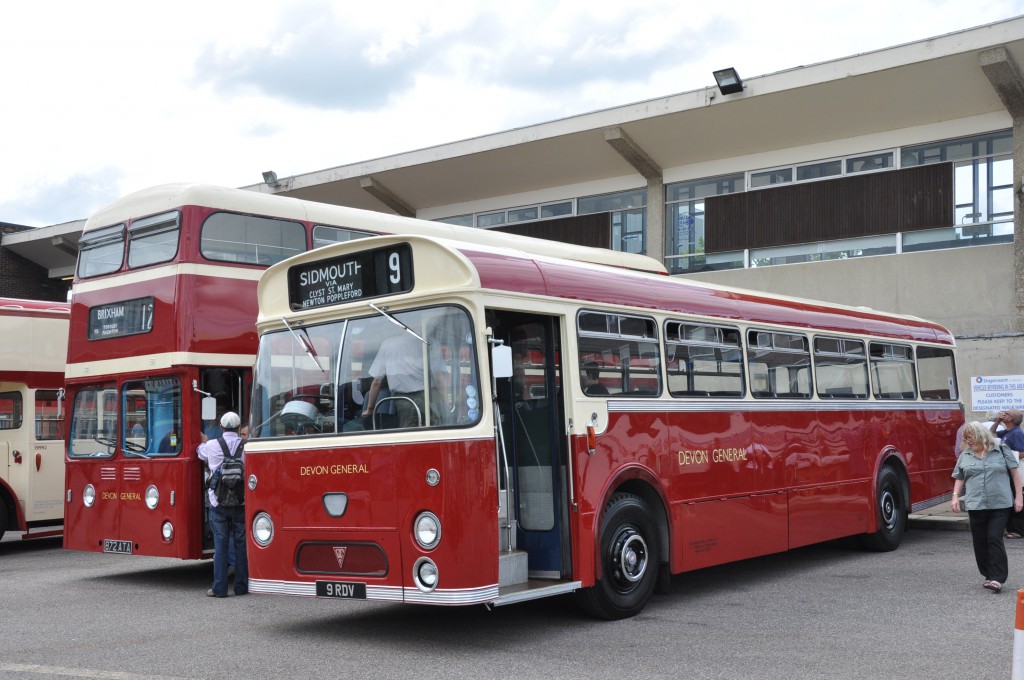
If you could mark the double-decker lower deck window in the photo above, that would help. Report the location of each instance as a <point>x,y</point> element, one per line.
<point>779,365</point>
<point>703,360</point>
<point>152,417</point>
<point>10,410</point>
<point>49,422</point>
<point>619,355</point>
<point>368,374</point>
<point>94,423</point>
<point>892,371</point>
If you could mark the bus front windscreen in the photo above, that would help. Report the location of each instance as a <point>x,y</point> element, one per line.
<point>414,369</point>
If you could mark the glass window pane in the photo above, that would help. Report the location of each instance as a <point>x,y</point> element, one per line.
<point>618,355</point>
<point>10,410</point>
<point>522,214</point>
<point>892,371</point>
<point>94,423</point>
<point>819,170</point>
<point>153,239</point>
<point>702,188</point>
<point>325,236</point>
<point>152,418</point>
<point>840,368</point>
<point>703,361</point>
<point>458,220</point>
<point>769,177</point>
<point>490,219</point>
<point>937,373</point>
<point>101,251</point>
<point>624,200</point>
<point>49,420</point>
<point>251,240</point>
<point>556,209</point>
<point>870,162</point>
<point>779,365</point>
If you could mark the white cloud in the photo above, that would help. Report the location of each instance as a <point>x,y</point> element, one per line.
<point>107,97</point>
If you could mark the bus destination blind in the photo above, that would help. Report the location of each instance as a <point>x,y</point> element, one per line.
<point>128,317</point>
<point>356,276</point>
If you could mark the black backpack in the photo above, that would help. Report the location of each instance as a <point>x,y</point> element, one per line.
<point>228,481</point>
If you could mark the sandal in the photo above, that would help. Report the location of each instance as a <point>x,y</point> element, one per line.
<point>994,586</point>
<point>1011,534</point>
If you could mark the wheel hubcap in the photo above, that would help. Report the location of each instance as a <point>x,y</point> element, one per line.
<point>889,512</point>
<point>628,557</point>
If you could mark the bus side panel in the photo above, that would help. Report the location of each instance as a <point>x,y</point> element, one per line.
<point>719,531</point>
<point>826,512</point>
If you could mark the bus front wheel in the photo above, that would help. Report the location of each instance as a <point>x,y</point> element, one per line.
<point>890,511</point>
<point>629,560</point>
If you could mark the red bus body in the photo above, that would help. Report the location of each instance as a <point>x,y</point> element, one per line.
<point>722,479</point>
<point>198,297</point>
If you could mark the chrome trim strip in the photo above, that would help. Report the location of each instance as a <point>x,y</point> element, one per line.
<point>771,405</point>
<point>537,593</point>
<point>388,593</point>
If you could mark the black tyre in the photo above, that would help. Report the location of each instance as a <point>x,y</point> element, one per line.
<point>890,511</point>
<point>3,517</point>
<point>629,560</point>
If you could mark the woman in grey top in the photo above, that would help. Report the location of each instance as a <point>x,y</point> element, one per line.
<point>983,490</point>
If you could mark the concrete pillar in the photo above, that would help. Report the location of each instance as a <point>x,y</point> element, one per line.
<point>656,219</point>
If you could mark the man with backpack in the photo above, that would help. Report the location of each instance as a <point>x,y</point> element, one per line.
<point>225,458</point>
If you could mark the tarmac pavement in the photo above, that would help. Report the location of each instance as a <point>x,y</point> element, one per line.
<point>940,516</point>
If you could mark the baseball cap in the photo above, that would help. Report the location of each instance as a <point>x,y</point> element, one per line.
<point>230,420</point>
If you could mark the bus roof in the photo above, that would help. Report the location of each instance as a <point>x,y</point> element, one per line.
<point>168,197</point>
<point>33,307</point>
<point>462,266</point>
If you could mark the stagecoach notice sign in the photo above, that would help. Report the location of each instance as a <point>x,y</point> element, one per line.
<point>128,317</point>
<point>356,276</point>
<point>997,392</point>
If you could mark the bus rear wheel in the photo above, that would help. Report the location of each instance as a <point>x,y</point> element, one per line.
<point>890,511</point>
<point>629,560</point>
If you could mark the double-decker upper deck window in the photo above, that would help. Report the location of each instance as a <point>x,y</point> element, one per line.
<point>840,368</point>
<point>892,371</point>
<point>703,361</point>
<point>937,373</point>
<point>325,236</point>
<point>101,251</point>
<point>10,410</point>
<point>779,365</point>
<point>153,239</point>
<point>619,355</point>
<point>248,239</point>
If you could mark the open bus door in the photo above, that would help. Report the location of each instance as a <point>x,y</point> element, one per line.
<point>532,419</point>
<point>224,390</point>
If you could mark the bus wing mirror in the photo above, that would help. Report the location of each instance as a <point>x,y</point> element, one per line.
<point>501,361</point>
<point>209,408</point>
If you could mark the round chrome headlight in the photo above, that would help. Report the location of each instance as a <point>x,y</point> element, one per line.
<point>262,529</point>
<point>167,531</point>
<point>89,495</point>
<point>427,530</point>
<point>424,574</point>
<point>252,482</point>
<point>152,497</point>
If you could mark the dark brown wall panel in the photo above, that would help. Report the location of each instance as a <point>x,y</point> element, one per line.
<point>582,230</point>
<point>848,207</point>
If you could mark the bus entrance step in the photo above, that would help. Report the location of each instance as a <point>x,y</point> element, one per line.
<point>513,568</point>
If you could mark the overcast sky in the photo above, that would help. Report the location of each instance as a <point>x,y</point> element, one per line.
<point>100,98</point>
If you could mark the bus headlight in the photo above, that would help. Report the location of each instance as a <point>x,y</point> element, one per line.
<point>252,482</point>
<point>427,530</point>
<point>424,574</point>
<point>152,497</point>
<point>262,529</point>
<point>167,531</point>
<point>89,495</point>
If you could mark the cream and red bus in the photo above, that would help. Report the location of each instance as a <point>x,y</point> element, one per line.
<point>578,428</point>
<point>35,338</point>
<point>162,321</point>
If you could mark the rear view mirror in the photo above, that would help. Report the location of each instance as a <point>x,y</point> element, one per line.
<point>501,361</point>
<point>209,408</point>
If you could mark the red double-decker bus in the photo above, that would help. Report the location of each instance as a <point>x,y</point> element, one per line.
<point>559,426</point>
<point>35,336</point>
<point>163,318</point>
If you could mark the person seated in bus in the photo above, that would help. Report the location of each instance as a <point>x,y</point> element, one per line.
<point>590,378</point>
<point>400,362</point>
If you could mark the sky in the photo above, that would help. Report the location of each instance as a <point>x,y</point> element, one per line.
<point>102,98</point>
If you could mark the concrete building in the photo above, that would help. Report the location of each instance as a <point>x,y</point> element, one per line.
<point>890,179</point>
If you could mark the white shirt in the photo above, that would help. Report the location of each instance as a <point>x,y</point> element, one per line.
<point>213,454</point>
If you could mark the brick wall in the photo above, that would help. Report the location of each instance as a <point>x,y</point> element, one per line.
<point>21,278</point>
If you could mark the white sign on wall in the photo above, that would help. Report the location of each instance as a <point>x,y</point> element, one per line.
<point>997,392</point>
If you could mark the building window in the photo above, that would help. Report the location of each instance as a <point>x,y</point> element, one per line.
<point>684,224</point>
<point>490,219</point>
<point>325,236</point>
<point>458,220</point>
<point>629,217</point>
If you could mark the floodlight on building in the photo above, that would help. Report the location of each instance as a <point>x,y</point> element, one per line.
<point>270,177</point>
<point>729,81</point>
